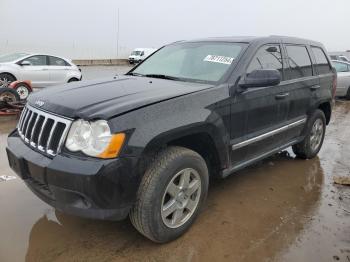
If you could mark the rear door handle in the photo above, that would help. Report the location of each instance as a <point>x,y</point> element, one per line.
<point>282,96</point>
<point>315,87</point>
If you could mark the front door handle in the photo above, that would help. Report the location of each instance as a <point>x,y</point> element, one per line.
<point>315,87</point>
<point>282,96</point>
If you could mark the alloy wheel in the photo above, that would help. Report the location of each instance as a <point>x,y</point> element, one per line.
<point>316,134</point>
<point>4,82</point>
<point>181,198</point>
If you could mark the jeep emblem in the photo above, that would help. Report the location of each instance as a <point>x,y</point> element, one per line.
<point>39,103</point>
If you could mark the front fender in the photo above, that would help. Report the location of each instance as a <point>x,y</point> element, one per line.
<point>157,124</point>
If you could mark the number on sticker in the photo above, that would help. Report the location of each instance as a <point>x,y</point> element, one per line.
<point>219,59</point>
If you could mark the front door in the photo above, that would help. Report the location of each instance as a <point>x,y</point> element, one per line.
<point>37,71</point>
<point>263,110</point>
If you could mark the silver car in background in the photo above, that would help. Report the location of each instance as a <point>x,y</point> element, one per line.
<point>42,70</point>
<point>343,82</point>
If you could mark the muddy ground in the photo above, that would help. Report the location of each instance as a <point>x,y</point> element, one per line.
<point>282,209</point>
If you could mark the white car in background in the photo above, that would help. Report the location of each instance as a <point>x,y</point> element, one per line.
<point>41,70</point>
<point>139,54</point>
<point>343,79</point>
<point>340,58</point>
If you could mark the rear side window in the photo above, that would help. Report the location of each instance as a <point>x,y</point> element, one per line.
<point>322,64</point>
<point>55,61</point>
<point>267,57</point>
<point>299,62</point>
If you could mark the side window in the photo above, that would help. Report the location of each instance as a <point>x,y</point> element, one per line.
<point>267,57</point>
<point>55,61</point>
<point>322,65</point>
<point>341,67</point>
<point>299,62</point>
<point>37,60</point>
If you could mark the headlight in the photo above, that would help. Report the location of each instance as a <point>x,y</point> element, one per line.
<point>94,139</point>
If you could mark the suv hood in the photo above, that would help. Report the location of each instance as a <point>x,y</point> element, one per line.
<point>103,99</point>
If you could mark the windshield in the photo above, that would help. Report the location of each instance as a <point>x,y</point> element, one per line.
<point>11,57</point>
<point>201,61</point>
<point>135,52</point>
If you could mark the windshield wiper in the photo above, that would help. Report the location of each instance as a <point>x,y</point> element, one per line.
<point>134,74</point>
<point>162,76</point>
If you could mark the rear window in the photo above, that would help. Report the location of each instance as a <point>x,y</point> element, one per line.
<point>322,64</point>
<point>299,62</point>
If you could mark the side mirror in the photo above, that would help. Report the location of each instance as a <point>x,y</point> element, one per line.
<point>25,63</point>
<point>261,78</point>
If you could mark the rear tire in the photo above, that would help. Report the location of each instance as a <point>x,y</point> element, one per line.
<point>9,95</point>
<point>312,143</point>
<point>166,204</point>
<point>6,79</point>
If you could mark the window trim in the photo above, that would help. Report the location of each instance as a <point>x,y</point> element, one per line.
<point>313,71</point>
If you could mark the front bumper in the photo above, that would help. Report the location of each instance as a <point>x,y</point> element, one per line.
<point>134,61</point>
<point>86,187</point>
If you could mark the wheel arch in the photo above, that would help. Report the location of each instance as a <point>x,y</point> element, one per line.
<point>8,73</point>
<point>326,108</point>
<point>203,139</point>
<point>73,78</point>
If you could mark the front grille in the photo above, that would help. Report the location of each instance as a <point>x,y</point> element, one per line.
<point>43,131</point>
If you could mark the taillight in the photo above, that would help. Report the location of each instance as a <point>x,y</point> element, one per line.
<point>334,87</point>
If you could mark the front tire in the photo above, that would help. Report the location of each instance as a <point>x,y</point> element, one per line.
<point>170,195</point>
<point>312,143</point>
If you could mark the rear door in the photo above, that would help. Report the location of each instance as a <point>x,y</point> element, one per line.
<point>37,71</point>
<point>325,73</point>
<point>301,82</point>
<point>58,69</point>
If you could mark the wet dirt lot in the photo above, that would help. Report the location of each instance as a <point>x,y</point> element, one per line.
<point>282,209</point>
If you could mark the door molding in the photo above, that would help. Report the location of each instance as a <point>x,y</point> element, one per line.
<point>268,134</point>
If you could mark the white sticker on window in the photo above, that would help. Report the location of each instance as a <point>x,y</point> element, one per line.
<point>219,59</point>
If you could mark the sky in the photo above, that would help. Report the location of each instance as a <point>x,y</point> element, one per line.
<point>86,29</point>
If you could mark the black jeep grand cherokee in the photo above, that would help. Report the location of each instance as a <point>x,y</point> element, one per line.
<point>144,144</point>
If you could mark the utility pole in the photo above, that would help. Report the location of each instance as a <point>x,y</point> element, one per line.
<point>118,32</point>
